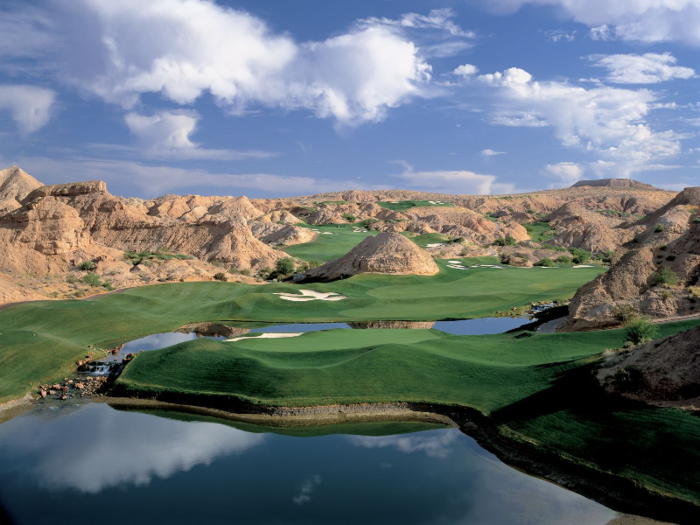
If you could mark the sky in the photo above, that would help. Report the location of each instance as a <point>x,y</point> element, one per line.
<point>275,98</point>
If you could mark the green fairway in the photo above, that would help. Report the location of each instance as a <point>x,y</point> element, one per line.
<point>407,205</point>
<point>537,390</point>
<point>334,241</point>
<point>540,231</point>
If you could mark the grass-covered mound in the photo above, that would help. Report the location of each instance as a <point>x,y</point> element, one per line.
<point>41,341</point>
<point>535,390</point>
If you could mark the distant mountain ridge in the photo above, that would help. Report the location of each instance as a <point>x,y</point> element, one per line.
<point>614,184</point>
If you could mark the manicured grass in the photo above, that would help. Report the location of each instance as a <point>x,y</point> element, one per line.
<point>407,205</point>
<point>328,247</point>
<point>537,390</point>
<point>41,341</point>
<point>540,231</point>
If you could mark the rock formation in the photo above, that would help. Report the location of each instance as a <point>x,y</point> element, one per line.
<point>15,185</point>
<point>386,253</point>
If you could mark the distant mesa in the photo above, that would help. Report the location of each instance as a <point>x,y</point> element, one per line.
<point>387,253</point>
<point>614,184</point>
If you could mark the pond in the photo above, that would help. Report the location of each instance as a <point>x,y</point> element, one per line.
<point>489,325</point>
<point>89,463</point>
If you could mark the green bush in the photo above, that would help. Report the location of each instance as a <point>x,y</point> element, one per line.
<point>508,240</point>
<point>349,217</point>
<point>92,279</point>
<point>606,256</point>
<point>87,266</point>
<point>72,279</point>
<point>284,266</point>
<point>629,378</point>
<point>660,228</point>
<point>563,259</point>
<point>696,220</point>
<point>245,272</point>
<point>640,330</point>
<point>546,262</point>
<point>579,256</point>
<point>553,248</point>
<point>666,276</point>
<point>220,276</point>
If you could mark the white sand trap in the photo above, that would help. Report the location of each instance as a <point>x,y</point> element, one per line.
<point>266,335</point>
<point>311,295</point>
<point>457,267</point>
<point>328,233</point>
<point>584,266</point>
<point>455,262</point>
<point>434,245</point>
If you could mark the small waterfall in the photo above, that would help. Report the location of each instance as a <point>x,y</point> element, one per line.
<point>100,369</point>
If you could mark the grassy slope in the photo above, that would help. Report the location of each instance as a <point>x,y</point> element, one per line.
<point>540,231</point>
<point>536,389</point>
<point>40,341</point>
<point>328,247</point>
<point>407,205</point>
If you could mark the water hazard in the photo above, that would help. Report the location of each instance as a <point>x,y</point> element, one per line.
<point>87,463</point>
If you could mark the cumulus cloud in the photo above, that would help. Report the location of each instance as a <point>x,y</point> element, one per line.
<point>438,445</point>
<point>437,19</point>
<point>466,70</point>
<point>166,134</point>
<point>567,172</point>
<point>182,49</point>
<point>457,181</point>
<point>306,489</point>
<point>649,68</point>
<point>29,106</point>
<point>607,121</point>
<point>639,20</point>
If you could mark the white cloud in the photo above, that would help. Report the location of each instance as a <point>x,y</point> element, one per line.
<point>466,70</point>
<point>559,35</point>
<point>167,135</point>
<point>458,181</point>
<point>649,68</point>
<point>518,121</point>
<point>438,445</point>
<point>182,49</point>
<point>567,172</point>
<point>607,121</point>
<point>30,106</point>
<point>491,153</point>
<point>135,179</point>
<point>640,20</point>
<point>437,19</point>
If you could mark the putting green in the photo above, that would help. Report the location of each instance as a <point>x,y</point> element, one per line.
<point>334,241</point>
<point>407,205</point>
<point>41,341</point>
<point>536,390</point>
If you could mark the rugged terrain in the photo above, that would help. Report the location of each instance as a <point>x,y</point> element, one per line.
<point>655,273</point>
<point>77,239</point>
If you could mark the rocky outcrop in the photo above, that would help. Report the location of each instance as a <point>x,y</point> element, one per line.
<point>15,185</point>
<point>289,235</point>
<point>577,227</point>
<point>627,184</point>
<point>668,243</point>
<point>386,253</point>
<point>663,372</point>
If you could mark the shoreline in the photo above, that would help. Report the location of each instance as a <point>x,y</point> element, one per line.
<point>615,492</point>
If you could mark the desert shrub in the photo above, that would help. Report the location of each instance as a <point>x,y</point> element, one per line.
<point>563,259</point>
<point>217,264</point>
<point>284,266</point>
<point>314,264</point>
<point>546,262</point>
<point>87,266</point>
<point>696,220</point>
<point>349,217</point>
<point>72,279</point>
<point>628,378</point>
<point>233,270</point>
<point>92,279</point>
<point>220,276</point>
<point>245,271</point>
<point>666,276</point>
<point>624,313</point>
<point>606,256</point>
<point>531,211</point>
<point>640,330</point>
<point>694,291</point>
<point>667,294</point>
<point>107,285</point>
<point>508,240</point>
<point>579,256</point>
<point>553,248</point>
<point>660,228</point>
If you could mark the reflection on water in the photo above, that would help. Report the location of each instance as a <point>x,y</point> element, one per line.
<point>88,462</point>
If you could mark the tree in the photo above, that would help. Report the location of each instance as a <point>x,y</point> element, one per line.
<point>284,266</point>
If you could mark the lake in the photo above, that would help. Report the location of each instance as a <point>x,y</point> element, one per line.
<point>89,463</point>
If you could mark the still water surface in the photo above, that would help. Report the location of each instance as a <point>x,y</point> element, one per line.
<point>89,463</point>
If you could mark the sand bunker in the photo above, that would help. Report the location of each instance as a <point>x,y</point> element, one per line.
<point>584,266</point>
<point>435,203</point>
<point>311,295</point>
<point>266,335</point>
<point>457,266</point>
<point>455,262</point>
<point>435,245</point>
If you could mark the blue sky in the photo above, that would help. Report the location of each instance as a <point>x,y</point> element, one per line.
<point>277,97</point>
